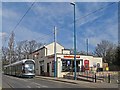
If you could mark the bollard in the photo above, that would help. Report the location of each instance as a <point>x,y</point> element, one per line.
<point>95,77</point>
<point>108,78</point>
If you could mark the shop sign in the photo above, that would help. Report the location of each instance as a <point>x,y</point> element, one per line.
<point>69,56</point>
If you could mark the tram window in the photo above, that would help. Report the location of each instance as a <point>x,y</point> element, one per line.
<point>29,66</point>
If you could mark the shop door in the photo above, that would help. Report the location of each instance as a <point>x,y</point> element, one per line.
<point>48,69</point>
<point>41,70</point>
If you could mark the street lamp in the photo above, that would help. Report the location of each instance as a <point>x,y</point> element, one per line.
<point>74,43</point>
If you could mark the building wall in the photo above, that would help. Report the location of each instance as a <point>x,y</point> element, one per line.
<point>65,51</point>
<point>46,54</point>
<point>99,60</point>
<point>92,60</point>
<point>50,48</point>
<point>42,53</point>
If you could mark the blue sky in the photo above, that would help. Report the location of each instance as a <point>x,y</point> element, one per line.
<point>39,22</point>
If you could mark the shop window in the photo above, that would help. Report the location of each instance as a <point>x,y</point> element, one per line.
<point>66,65</point>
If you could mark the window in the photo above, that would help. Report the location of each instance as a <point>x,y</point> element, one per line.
<point>66,65</point>
<point>29,66</point>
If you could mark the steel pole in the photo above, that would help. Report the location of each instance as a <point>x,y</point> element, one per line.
<point>55,68</point>
<point>74,45</point>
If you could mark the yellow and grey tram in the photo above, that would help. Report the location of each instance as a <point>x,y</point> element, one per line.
<point>23,68</point>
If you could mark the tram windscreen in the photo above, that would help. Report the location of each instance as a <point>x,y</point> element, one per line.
<point>29,66</point>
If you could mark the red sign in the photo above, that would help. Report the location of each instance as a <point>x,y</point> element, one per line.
<point>86,64</point>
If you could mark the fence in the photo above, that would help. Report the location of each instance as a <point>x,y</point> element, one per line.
<point>108,77</point>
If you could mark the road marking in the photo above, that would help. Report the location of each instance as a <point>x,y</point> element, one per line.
<point>17,78</point>
<point>28,86</point>
<point>39,84</point>
<point>44,86</point>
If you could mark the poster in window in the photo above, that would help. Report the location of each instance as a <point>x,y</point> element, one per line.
<point>86,64</point>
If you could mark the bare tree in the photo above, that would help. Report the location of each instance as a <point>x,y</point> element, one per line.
<point>106,50</point>
<point>24,48</point>
<point>117,56</point>
<point>5,55</point>
<point>18,51</point>
<point>11,48</point>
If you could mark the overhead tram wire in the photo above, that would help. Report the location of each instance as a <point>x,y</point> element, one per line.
<point>24,15</point>
<point>44,36</point>
<point>70,23</point>
<point>20,20</point>
<point>84,16</point>
<point>93,12</point>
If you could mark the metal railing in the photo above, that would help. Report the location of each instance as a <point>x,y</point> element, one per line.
<point>108,77</point>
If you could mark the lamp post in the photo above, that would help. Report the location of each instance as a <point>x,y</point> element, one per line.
<point>55,61</point>
<point>74,43</point>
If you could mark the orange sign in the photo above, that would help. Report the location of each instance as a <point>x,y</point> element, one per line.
<point>71,56</point>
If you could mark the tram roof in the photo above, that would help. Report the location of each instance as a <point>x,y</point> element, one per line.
<point>18,62</point>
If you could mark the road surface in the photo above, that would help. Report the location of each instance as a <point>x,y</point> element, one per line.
<point>15,82</point>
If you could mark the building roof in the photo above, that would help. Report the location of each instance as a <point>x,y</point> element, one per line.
<point>44,46</point>
<point>53,42</point>
<point>38,49</point>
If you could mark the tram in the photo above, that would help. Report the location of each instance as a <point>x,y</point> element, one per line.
<point>23,68</point>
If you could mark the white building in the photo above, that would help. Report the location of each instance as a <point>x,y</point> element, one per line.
<point>44,61</point>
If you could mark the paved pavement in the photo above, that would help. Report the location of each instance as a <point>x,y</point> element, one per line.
<point>50,82</point>
<point>78,82</point>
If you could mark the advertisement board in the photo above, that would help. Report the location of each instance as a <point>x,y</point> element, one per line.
<point>86,64</point>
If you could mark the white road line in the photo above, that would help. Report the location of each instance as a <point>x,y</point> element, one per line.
<point>17,78</point>
<point>44,86</point>
<point>39,84</point>
<point>28,86</point>
<point>36,83</point>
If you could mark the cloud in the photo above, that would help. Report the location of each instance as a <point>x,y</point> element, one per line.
<point>9,14</point>
<point>26,34</point>
<point>43,16</point>
<point>98,27</point>
<point>3,36</point>
<point>54,13</point>
<point>104,31</point>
